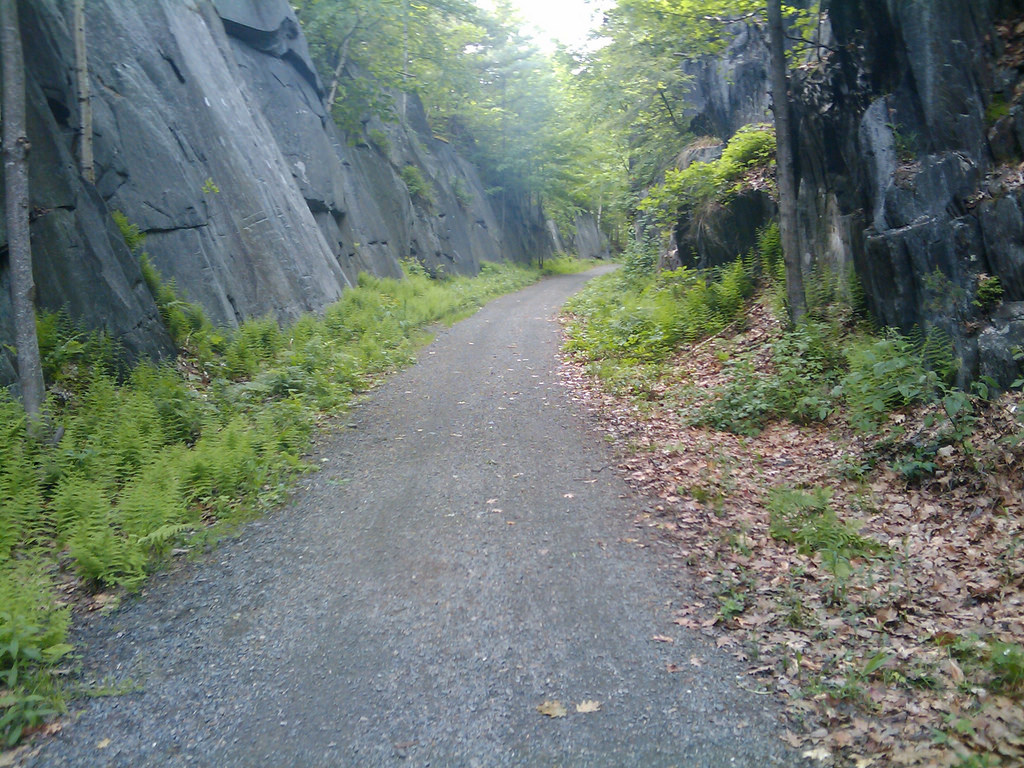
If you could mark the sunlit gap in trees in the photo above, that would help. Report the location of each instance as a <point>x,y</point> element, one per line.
<point>571,23</point>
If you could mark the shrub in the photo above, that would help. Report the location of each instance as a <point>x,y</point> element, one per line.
<point>989,292</point>
<point>805,365</point>
<point>419,188</point>
<point>892,372</point>
<point>718,181</point>
<point>380,140</point>
<point>33,629</point>
<point>462,194</point>
<point>635,316</point>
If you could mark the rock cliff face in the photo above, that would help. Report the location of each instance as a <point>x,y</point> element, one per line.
<point>909,141</point>
<point>910,131</point>
<point>211,135</point>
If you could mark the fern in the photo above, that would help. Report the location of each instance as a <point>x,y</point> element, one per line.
<point>806,519</point>
<point>104,556</point>
<point>21,495</point>
<point>891,372</point>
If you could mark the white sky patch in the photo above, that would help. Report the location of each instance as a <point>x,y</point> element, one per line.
<point>567,21</point>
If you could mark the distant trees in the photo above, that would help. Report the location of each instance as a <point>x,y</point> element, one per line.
<point>638,78</point>
<point>485,87</point>
<point>19,252</point>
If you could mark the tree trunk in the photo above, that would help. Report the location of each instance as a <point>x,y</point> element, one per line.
<point>15,156</point>
<point>82,87</point>
<point>784,162</point>
<point>338,70</point>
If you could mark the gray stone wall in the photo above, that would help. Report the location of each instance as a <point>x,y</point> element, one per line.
<point>211,135</point>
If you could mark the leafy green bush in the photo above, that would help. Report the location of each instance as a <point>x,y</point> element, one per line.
<point>637,316</point>
<point>380,140</point>
<point>805,365</point>
<point>1006,661</point>
<point>989,292</point>
<point>462,194</point>
<point>753,146</point>
<point>419,188</point>
<point>33,629</point>
<point>892,372</point>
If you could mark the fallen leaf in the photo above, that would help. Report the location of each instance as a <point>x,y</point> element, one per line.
<point>552,709</point>
<point>663,639</point>
<point>491,501</point>
<point>102,743</point>
<point>818,753</point>
<point>696,662</point>
<point>588,705</point>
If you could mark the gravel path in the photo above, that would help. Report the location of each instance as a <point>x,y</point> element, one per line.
<point>465,554</point>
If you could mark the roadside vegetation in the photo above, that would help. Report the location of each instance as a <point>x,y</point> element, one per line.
<point>854,520</point>
<point>161,460</point>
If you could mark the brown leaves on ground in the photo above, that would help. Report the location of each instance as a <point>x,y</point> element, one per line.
<point>893,663</point>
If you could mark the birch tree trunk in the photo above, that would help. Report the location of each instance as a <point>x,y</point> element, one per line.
<point>784,160</point>
<point>15,158</point>
<point>82,88</point>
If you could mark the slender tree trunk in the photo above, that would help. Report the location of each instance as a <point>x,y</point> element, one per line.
<point>784,161</point>
<point>82,87</point>
<point>15,157</point>
<point>338,70</point>
<point>405,58</point>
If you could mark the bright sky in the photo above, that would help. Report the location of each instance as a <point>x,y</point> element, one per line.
<point>568,21</point>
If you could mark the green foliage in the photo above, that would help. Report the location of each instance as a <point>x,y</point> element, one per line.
<point>33,630</point>
<point>640,261</point>
<point>997,109</point>
<point>806,519</point>
<point>380,140</point>
<point>70,354</point>
<point>906,143</point>
<point>892,372</point>
<point>718,181</point>
<point>804,366</point>
<point>186,322</point>
<point>769,250</point>
<point>1006,662</point>
<point>419,188</point>
<point>462,194</point>
<point>134,238</point>
<point>638,316</point>
<point>989,293</point>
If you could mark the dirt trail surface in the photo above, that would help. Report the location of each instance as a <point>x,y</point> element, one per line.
<point>466,553</point>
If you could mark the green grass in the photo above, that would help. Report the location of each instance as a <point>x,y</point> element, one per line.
<point>169,456</point>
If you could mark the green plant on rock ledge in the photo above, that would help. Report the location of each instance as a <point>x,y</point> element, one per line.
<point>419,188</point>
<point>716,182</point>
<point>462,194</point>
<point>380,140</point>
<point>989,293</point>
